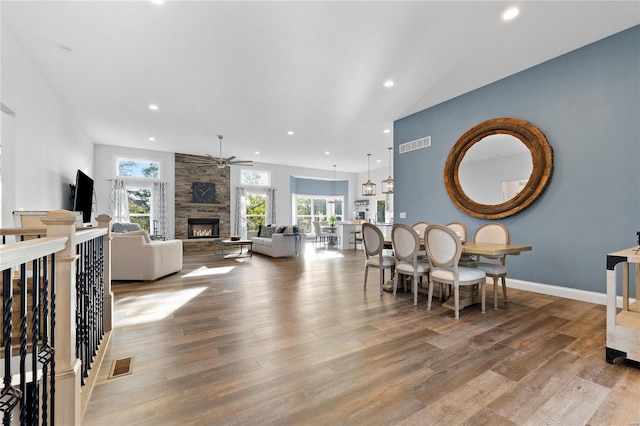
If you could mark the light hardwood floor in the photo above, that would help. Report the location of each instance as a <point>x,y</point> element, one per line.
<point>298,342</point>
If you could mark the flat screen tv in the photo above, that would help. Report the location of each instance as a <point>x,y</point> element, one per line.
<point>83,196</point>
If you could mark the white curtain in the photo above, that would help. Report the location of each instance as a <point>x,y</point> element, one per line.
<point>270,216</point>
<point>241,213</point>
<point>119,201</point>
<point>159,203</point>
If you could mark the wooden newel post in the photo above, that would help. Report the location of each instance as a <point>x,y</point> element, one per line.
<point>62,223</point>
<point>104,221</point>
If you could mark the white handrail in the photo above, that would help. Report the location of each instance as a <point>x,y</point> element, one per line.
<point>12,255</point>
<point>89,234</point>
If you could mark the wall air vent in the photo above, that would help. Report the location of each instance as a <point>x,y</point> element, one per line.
<point>413,145</point>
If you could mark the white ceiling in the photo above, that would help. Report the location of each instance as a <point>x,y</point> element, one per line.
<point>252,71</point>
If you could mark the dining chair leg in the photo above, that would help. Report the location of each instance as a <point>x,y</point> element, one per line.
<point>484,294</point>
<point>429,298</point>
<point>495,292</point>
<point>504,288</point>
<point>456,300</point>
<point>366,274</point>
<point>415,289</point>
<point>394,277</point>
<point>381,279</point>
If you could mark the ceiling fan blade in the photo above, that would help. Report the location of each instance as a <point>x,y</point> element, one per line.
<point>198,159</point>
<point>241,163</point>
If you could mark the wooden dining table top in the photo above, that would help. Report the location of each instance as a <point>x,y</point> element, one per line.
<point>483,249</point>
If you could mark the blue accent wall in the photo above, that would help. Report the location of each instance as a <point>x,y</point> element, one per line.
<point>587,103</point>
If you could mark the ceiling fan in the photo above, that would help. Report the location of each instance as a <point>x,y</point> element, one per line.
<point>220,161</point>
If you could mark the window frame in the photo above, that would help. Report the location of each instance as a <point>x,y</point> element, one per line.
<point>247,215</point>
<point>330,210</point>
<point>118,159</point>
<point>254,185</point>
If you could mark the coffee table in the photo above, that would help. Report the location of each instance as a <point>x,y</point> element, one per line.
<point>237,243</point>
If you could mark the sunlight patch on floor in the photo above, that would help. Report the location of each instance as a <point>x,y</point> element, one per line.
<point>154,306</point>
<point>321,253</point>
<point>203,271</point>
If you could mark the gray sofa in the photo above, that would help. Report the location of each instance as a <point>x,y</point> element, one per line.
<point>277,244</point>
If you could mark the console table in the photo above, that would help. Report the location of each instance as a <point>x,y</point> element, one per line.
<point>623,328</point>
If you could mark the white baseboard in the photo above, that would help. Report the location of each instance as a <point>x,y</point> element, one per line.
<point>569,293</point>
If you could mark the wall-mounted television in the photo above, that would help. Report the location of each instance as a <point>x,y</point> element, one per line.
<point>83,196</point>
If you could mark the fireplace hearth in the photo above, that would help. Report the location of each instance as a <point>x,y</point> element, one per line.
<point>203,228</point>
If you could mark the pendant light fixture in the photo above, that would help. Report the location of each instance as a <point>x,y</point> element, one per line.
<point>334,199</point>
<point>387,184</point>
<point>369,188</point>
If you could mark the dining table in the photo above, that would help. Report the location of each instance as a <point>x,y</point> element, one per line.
<point>469,295</point>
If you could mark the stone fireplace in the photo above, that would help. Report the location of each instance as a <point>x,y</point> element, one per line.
<point>190,205</point>
<point>203,228</point>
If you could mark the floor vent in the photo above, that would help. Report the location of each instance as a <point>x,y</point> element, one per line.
<point>413,145</point>
<point>120,367</point>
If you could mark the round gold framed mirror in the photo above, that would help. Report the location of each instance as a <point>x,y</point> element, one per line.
<point>531,185</point>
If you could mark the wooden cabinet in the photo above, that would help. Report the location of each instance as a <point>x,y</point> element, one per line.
<point>623,327</point>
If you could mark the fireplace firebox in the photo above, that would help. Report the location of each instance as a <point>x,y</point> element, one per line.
<point>203,228</point>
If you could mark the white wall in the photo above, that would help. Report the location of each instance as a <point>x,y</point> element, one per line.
<point>104,165</point>
<point>47,145</point>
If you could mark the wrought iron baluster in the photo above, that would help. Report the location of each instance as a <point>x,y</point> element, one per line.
<point>35,337</point>
<point>23,343</point>
<point>9,396</point>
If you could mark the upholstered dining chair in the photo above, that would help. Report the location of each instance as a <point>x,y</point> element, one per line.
<point>444,249</point>
<point>406,245</point>
<point>317,229</point>
<point>496,268</point>
<point>420,228</point>
<point>459,228</point>
<point>373,242</point>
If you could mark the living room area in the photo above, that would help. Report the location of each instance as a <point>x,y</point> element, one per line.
<point>288,184</point>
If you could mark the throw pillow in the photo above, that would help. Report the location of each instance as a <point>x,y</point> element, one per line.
<point>260,230</point>
<point>281,229</point>
<point>268,232</point>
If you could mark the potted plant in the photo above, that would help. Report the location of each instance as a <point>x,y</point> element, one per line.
<point>332,220</point>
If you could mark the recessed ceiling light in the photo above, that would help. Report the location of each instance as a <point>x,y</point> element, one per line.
<point>157,1</point>
<point>153,107</point>
<point>388,83</point>
<point>327,153</point>
<point>151,138</point>
<point>386,131</point>
<point>510,13</point>
<point>377,161</point>
<point>290,132</point>
<point>257,152</point>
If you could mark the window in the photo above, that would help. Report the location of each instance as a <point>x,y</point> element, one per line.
<point>256,211</point>
<point>140,207</point>
<point>255,178</point>
<point>310,208</point>
<point>142,169</point>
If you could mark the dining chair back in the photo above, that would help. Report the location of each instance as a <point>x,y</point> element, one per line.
<point>317,229</point>
<point>444,249</point>
<point>459,228</point>
<point>495,233</point>
<point>420,228</point>
<point>406,245</point>
<point>373,242</point>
